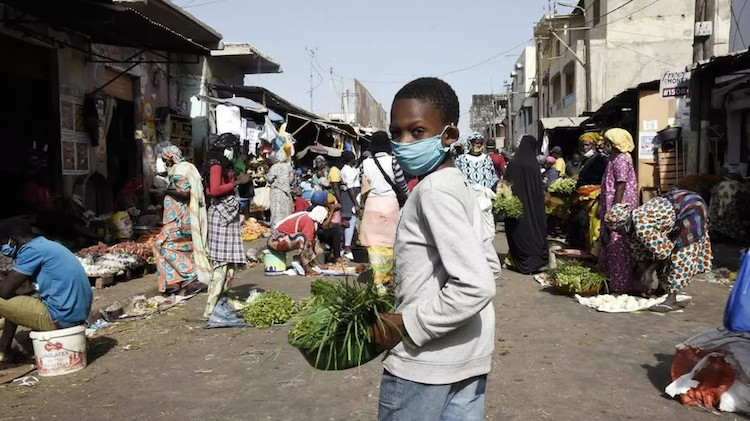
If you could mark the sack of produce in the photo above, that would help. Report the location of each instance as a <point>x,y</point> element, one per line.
<point>123,225</point>
<point>332,330</point>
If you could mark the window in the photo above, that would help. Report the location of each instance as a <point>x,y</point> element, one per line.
<point>570,79</point>
<point>597,11</point>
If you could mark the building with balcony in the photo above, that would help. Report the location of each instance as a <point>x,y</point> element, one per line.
<point>522,103</point>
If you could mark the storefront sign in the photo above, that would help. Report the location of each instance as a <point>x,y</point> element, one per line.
<point>74,141</point>
<point>675,83</point>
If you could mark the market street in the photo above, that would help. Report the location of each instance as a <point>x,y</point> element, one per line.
<point>554,359</point>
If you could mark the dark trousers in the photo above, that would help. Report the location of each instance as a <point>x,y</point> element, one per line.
<point>334,237</point>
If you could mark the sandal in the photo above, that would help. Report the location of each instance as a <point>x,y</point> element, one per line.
<point>664,308</point>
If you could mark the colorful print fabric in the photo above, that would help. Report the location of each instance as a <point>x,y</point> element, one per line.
<point>173,248</point>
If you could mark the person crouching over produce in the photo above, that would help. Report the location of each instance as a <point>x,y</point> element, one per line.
<point>64,290</point>
<point>445,272</point>
<point>297,232</point>
<point>669,236</point>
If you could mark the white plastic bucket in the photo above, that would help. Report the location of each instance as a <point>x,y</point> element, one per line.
<point>60,351</point>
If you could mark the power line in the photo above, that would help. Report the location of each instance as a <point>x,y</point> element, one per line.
<point>202,4</point>
<point>627,16</point>
<point>650,35</point>
<point>642,54</point>
<point>487,59</point>
<point>611,11</point>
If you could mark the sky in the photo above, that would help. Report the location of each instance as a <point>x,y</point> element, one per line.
<point>471,44</point>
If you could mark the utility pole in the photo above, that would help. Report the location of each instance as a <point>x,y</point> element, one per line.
<point>312,68</point>
<point>509,137</point>
<point>700,96</point>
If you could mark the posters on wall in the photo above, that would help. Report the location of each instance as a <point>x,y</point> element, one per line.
<point>646,145</point>
<point>73,137</point>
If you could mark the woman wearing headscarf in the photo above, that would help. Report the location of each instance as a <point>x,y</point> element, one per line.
<point>479,171</point>
<point>475,165</point>
<point>350,187</point>
<point>669,236</point>
<point>618,186</point>
<point>298,231</point>
<point>225,247</point>
<point>728,208</point>
<point>527,235</point>
<point>180,249</point>
<point>380,218</point>
<point>584,222</point>
<point>280,177</point>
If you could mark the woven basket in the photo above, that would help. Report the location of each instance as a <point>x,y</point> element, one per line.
<point>587,293</point>
<point>342,362</point>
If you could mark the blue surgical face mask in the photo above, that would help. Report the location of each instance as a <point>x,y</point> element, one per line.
<point>7,250</point>
<point>420,157</point>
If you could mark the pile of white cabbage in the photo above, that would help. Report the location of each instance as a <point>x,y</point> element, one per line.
<point>108,264</point>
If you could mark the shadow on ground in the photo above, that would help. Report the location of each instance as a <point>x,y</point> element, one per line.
<point>98,347</point>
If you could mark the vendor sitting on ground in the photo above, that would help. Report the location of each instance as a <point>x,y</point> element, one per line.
<point>331,232</point>
<point>668,236</point>
<point>298,232</point>
<point>64,290</point>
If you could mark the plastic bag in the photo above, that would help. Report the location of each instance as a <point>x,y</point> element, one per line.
<point>262,198</point>
<point>224,316</point>
<point>123,225</point>
<point>737,312</point>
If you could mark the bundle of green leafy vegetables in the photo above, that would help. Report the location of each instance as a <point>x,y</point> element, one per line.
<point>506,203</point>
<point>563,187</point>
<point>332,330</point>
<point>268,309</point>
<point>577,278</point>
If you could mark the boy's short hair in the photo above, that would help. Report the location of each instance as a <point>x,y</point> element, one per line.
<point>436,92</point>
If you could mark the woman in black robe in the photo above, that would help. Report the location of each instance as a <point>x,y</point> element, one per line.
<point>527,235</point>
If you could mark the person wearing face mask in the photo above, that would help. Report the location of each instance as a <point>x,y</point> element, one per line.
<point>619,185</point>
<point>64,290</point>
<point>440,345</point>
<point>584,225</point>
<point>225,249</point>
<point>481,175</point>
<point>280,176</point>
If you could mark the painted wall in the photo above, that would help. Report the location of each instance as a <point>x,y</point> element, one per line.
<point>524,86</point>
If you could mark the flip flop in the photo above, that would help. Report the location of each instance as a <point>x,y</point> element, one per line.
<point>663,308</point>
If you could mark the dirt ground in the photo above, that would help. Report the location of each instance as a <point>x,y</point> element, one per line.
<point>554,359</point>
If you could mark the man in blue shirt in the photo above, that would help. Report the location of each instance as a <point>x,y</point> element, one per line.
<point>64,290</point>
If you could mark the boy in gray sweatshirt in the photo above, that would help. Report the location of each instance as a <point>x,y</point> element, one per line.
<point>441,342</point>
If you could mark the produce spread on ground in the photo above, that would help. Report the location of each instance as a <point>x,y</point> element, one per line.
<point>103,260</point>
<point>252,230</point>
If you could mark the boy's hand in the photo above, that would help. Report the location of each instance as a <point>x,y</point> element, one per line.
<point>388,330</point>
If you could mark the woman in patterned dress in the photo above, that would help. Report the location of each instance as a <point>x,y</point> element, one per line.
<point>618,186</point>
<point>728,206</point>
<point>280,176</point>
<point>180,248</point>
<point>480,172</point>
<point>225,247</point>
<point>669,235</point>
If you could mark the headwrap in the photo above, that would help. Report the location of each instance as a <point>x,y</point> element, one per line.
<point>475,138</point>
<point>216,155</point>
<point>618,217</point>
<point>590,137</point>
<point>319,198</point>
<point>621,139</point>
<point>318,214</point>
<point>551,160</point>
<point>225,141</point>
<point>556,152</point>
<point>172,154</point>
<point>319,162</point>
<point>380,143</point>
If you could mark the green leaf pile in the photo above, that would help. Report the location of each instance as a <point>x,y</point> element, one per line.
<point>333,328</point>
<point>576,277</point>
<point>268,309</point>
<point>563,187</point>
<point>506,203</point>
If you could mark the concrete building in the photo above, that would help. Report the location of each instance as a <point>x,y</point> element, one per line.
<point>606,47</point>
<point>487,114</point>
<point>522,103</point>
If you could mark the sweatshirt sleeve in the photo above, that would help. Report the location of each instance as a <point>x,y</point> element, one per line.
<point>470,285</point>
<point>216,188</point>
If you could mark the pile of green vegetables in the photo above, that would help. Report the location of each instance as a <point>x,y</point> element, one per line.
<point>563,187</point>
<point>506,203</point>
<point>577,278</point>
<point>268,309</point>
<point>332,329</point>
